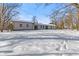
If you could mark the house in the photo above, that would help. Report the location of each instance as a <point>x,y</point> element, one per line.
<point>24,25</point>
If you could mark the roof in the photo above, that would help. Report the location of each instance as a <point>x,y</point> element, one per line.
<point>21,21</point>
<point>29,22</point>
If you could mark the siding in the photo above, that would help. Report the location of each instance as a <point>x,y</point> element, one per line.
<point>24,25</point>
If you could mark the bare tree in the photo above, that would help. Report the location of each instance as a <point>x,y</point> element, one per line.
<point>34,21</point>
<point>53,19</point>
<point>77,21</point>
<point>7,12</point>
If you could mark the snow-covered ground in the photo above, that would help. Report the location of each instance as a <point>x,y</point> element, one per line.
<point>40,42</point>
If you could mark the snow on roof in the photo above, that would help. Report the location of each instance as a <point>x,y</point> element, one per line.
<point>21,21</point>
<point>29,22</point>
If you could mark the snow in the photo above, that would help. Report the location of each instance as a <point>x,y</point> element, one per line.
<point>4,43</point>
<point>40,42</point>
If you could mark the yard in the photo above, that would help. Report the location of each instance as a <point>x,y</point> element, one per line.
<point>39,42</point>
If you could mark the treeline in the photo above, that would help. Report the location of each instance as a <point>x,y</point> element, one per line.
<point>66,19</point>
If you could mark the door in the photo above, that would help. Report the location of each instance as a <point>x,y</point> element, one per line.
<point>35,27</point>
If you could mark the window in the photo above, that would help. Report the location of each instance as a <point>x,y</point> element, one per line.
<point>46,27</point>
<point>27,25</point>
<point>20,25</point>
<point>41,26</point>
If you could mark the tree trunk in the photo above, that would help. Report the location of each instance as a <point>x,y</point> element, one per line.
<point>77,22</point>
<point>1,30</point>
<point>77,26</point>
<point>2,25</point>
